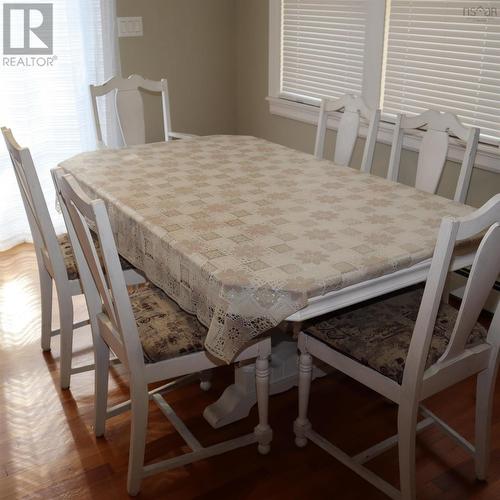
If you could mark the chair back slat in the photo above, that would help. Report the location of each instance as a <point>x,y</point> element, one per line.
<point>103,282</point>
<point>130,112</point>
<point>431,160</point>
<point>42,230</point>
<point>433,149</point>
<point>485,269</point>
<point>347,135</point>
<point>484,272</point>
<point>129,106</point>
<point>354,108</point>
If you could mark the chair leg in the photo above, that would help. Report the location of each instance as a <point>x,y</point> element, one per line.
<point>485,388</point>
<point>302,424</point>
<point>407,433</point>
<point>205,380</point>
<point>140,406</point>
<point>101,376</point>
<point>263,432</point>
<point>46,302</point>
<point>66,319</point>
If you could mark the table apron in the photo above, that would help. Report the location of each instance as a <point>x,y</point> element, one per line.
<point>370,289</point>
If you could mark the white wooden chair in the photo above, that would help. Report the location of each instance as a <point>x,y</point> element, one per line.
<point>408,348</point>
<point>130,108</point>
<point>354,108</point>
<point>55,261</point>
<point>434,148</point>
<point>152,336</point>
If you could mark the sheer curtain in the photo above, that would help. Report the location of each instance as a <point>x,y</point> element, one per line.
<point>48,108</point>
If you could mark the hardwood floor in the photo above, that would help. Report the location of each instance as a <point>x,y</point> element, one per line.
<point>47,447</point>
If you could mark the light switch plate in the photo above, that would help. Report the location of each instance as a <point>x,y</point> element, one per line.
<point>130,26</point>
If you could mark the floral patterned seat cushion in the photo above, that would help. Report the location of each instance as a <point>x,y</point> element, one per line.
<point>69,258</point>
<point>378,335</point>
<point>165,330</point>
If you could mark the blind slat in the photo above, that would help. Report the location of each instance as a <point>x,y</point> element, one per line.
<point>464,83</point>
<point>323,43</point>
<point>438,56</point>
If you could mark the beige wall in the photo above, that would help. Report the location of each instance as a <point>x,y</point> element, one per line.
<point>215,55</point>
<point>191,43</point>
<point>253,115</point>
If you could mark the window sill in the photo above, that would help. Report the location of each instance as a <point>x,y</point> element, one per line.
<point>488,156</point>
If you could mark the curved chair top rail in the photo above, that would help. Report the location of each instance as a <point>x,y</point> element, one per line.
<point>482,218</point>
<point>438,121</point>
<point>7,133</point>
<point>133,82</point>
<point>349,102</point>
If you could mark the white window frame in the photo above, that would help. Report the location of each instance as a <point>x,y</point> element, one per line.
<point>488,156</point>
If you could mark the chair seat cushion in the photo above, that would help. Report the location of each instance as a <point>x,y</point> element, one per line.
<point>165,330</point>
<point>69,258</point>
<point>378,334</point>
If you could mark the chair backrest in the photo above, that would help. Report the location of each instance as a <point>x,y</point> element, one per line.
<point>45,240</point>
<point>103,282</point>
<point>354,108</point>
<point>129,106</point>
<point>484,272</point>
<point>434,148</point>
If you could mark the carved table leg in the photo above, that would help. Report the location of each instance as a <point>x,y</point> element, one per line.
<point>263,432</point>
<point>237,400</point>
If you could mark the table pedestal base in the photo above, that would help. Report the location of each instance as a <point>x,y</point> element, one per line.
<point>237,400</point>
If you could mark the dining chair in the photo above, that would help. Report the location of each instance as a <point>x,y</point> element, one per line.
<point>129,108</point>
<point>412,346</point>
<point>56,263</point>
<point>152,336</point>
<point>433,149</point>
<point>354,109</point>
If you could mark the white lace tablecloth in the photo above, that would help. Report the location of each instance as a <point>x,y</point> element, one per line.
<point>242,232</point>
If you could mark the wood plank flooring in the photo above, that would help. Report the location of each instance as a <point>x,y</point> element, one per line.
<point>48,450</point>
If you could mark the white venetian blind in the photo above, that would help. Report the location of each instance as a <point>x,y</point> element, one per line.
<point>323,44</point>
<point>445,55</point>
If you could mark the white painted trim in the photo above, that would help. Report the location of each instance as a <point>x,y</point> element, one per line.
<point>374,51</point>
<point>355,294</point>
<point>275,9</point>
<point>488,156</point>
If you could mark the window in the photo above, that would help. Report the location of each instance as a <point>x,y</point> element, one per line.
<point>47,105</point>
<point>326,48</point>
<point>403,56</point>
<point>440,55</point>
<point>323,45</point>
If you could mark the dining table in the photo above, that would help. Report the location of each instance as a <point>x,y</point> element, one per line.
<point>247,234</point>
